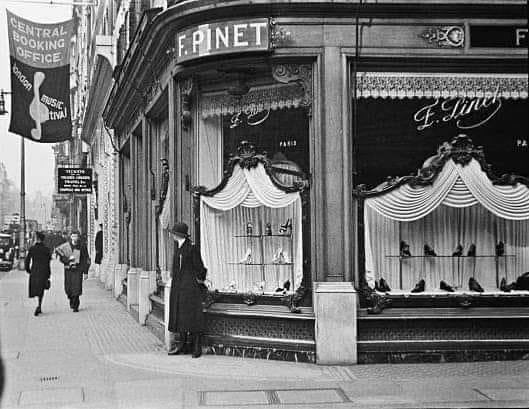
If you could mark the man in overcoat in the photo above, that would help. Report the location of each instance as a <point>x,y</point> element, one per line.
<point>99,248</point>
<point>185,303</point>
<point>74,255</point>
<point>38,267</point>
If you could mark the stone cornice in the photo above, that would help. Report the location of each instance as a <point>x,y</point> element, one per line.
<point>149,43</point>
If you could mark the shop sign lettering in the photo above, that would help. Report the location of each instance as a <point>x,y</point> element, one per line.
<point>467,113</point>
<point>498,36</point>
<point>223,38</point>
<point>253,117</point>
<point>74,180</point>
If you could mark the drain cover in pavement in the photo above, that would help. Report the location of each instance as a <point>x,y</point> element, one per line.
<point>323,396</point>
<point>48,396</point>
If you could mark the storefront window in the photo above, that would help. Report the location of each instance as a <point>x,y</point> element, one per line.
<point>252,239</point>
<point>402,121</point>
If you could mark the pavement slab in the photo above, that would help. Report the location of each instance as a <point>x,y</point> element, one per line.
<point>101,358</point>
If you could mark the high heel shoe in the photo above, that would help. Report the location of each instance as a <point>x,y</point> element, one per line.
<point>419,287</point>
<point>444,286</point>
<point>473,285</point>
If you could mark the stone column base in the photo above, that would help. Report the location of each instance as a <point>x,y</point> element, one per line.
<point>335,307</point>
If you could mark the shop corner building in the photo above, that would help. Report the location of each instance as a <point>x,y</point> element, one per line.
<point>279,131</point>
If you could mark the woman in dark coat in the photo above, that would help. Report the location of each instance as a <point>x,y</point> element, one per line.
<point>185,302</point>
<point>38,267</point>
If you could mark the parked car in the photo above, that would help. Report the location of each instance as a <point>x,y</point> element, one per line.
<point>7,252</point>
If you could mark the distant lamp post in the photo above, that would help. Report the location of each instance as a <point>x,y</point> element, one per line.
<point>3,102</point>
<point>22,234</point>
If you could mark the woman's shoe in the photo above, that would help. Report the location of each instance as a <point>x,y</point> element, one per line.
<point>419,287</point>
<point>37,311</point>
<point>383,286</point>
<point>473,285</point>
<point>444,286</point>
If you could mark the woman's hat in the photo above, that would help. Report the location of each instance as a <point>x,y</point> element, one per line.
<point>180,229</point>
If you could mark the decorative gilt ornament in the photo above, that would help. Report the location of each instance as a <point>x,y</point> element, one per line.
<point>186,91</point>
<point>445,36</point>
<point>300,74</point>
<point>278,36</point>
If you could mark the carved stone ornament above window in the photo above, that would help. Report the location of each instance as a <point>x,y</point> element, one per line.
<point>445,36</point>
<point>300,74</point>
<point>441,85</point>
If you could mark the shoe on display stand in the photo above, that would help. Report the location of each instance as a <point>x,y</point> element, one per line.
<point>458,252</point>
<point>507,288</point>
<point>473,285</point>
<point>444,286</point>
<point>247,259</point>
<point>472,251</point>
<point>419,287</point>
<point>428,251</point>
<point>383,286</point>
<point>404,249</point>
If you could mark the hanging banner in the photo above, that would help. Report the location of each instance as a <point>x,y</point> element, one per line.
<point>40,79</point>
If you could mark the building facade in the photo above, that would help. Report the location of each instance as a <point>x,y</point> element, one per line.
<point>330,99</point>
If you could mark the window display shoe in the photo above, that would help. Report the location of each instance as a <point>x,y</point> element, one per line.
<point>472,251</point>
<point>404,249</point>
<point>383,286</point>
<point>458,252</point>
<point>500,249</point>
<point>428,251</point>
<point>444,286</point>
<point>507,288</point>
<point>473,285</point>
<point>419,287</point>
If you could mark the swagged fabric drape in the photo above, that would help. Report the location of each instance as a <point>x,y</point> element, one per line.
<point>250,196</point>
<point>461,207</point>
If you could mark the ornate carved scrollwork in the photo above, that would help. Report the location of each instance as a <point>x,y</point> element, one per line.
<point>297,73</point>
<point>374,301</point>
<point>461,150</point>
<point>445,36</point>
<point>126,210</point>
<point>164,183</point>
<point>210,298</point>
<point>278,36</point>
<point>186,92</point>
<point>294,300</point>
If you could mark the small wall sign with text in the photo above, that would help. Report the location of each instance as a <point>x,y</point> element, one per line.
<point>466,113</point>
<point>75,180</point>
<point>223,37</point>
<point>498,36</point>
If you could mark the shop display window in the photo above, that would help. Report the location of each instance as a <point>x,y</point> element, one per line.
<point>253,158</point>
<point>405,129</point>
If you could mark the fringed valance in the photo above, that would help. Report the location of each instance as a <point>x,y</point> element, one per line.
<point>258,99</point>
<point>395,85</point>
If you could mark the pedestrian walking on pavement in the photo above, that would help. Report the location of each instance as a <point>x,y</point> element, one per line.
<point>38,267</point>
<point>74,255</point>
<point>185,302</point>
<point>99,248</point>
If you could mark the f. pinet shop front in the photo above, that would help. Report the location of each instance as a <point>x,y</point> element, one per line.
<point>290,136</point>
<point>443,197</point>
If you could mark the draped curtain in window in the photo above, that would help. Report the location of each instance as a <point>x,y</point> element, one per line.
<point>462,207</point>
<point>250,196</point>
